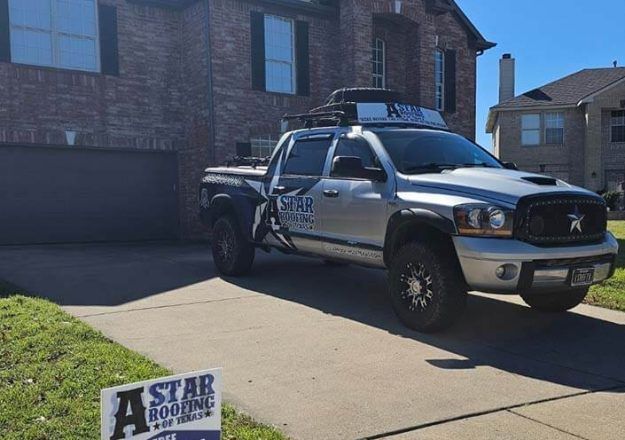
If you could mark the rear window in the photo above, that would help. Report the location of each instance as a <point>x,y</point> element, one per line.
<point>417,151</point>
<point>307,157</point>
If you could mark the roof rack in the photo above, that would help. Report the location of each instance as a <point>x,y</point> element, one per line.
<point>323,119</point>
<point>359,106</point>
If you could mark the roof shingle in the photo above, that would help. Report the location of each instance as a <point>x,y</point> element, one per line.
<point>569,90</point>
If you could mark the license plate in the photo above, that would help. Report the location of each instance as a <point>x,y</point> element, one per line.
<point>582,277</point>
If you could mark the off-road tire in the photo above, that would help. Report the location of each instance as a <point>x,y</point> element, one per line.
<point>444,281</point>
<point>555,302</point>
<point>233,254</point>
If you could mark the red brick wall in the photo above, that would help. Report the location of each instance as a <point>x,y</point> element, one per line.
<point>163,99</point>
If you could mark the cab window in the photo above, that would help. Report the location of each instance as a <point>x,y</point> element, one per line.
<point>308,156</point>
<point>356,146</point>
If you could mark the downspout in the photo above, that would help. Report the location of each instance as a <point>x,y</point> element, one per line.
<point>209,85</point>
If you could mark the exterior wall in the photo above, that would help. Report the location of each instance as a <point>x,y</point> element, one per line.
<point>141,108</point>
<point>564,161</point>
<point>185,80</point>
<point>588,156</point>
<point>612,154</point>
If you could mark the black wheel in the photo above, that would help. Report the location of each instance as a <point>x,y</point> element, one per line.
<point>556,301</point>
<point>232,253</point>
<point>427,290</point>
<point>335,263</point>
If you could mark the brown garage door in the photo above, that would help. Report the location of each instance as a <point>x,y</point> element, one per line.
<point>62,195</point>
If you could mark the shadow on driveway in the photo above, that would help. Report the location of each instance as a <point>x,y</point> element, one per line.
<point>589,348</point>
<point>571,349</point>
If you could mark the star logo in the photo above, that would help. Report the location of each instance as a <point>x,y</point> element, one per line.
<point>576,220</point>
<point>156,426</point>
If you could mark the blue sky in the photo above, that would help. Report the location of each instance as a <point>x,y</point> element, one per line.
<point>548,38</point>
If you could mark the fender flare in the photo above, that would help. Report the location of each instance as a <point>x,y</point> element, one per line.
<point>416,216</point>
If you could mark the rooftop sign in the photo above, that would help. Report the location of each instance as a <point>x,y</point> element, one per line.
<point>397,113</point>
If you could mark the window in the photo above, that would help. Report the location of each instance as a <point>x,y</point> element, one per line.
<point>56,33</point>
<point>439,76</point>
<point>279,54</point>
<point>530,129</point>
<point>308,157</point>
<point>379,63</point>
<point>263,146</point>
<point>617,125</point>
<point>554,128</point>
<point>357,146</point>
<point>423,151</point>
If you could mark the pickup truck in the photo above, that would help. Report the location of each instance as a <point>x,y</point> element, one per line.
<point>386,185</point>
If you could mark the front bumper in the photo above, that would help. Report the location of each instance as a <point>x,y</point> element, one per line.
<point>529,267</point>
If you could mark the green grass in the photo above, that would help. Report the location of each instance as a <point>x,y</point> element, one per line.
<point>53,366</point>
<point>611,293</point>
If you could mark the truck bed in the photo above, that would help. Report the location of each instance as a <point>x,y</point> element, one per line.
<point>258,171</point>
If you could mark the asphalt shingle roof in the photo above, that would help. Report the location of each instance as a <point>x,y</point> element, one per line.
<point>569,90</point>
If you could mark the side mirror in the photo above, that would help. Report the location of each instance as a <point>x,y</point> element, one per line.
<point>352,167</point>
<point>510,166</point>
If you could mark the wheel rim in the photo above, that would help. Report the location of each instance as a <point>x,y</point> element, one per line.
<point>417,290</point>
<point>225,245</point>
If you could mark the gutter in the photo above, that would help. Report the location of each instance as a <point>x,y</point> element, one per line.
<point>209,85</point>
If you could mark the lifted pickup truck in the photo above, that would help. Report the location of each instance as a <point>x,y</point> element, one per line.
<point>386,185</point>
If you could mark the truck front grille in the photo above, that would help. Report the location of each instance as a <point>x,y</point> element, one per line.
<point>551,220</point>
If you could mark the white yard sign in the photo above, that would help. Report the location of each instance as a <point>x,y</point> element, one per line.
<point>182,407</point>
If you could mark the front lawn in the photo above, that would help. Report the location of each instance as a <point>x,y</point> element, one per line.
<point>52,367</point>
<point>611,294</point>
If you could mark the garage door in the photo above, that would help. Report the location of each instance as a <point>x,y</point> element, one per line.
<point>61,195</point>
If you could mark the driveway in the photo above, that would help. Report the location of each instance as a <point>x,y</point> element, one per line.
<point>317,351</point>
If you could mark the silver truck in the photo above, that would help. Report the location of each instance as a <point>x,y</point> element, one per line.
<point>386,185</point>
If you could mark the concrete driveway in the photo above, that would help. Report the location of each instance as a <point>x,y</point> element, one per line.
<point>317,351</point>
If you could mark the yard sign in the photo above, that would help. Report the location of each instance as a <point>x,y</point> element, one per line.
<point>182,407</point>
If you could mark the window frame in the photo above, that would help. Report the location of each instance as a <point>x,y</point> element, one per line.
<point>547,121</point>
<point>268,61</point>
<point>439,79</point>
<point>376,50</point>
<point>614,125</point>
<point>56,35</point>
<point>535,130</point>
<point>263,142</point>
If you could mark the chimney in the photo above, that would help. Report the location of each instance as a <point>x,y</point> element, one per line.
<point>506,77</point>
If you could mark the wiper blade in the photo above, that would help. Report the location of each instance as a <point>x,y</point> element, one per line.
<point>432,166</point>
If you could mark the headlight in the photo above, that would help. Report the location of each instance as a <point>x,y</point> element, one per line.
<point>484,220</point>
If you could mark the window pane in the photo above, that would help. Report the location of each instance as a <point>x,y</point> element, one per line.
<point>279,56</point>
<point>356,147</point>
<point>530,122</point>
<point>554,136</point>
<point>31,47</point>
<point>618,133</point>
<point>554,120</point>
<point>77,53</point>
<point>30,13</point>
<point>307,158</point>
<point>530,137</point>
<point>439,77</point>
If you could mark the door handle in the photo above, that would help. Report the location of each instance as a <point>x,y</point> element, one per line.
<point>332,193</point>
<point>279,189</point>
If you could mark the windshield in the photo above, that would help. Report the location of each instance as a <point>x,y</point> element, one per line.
<point>423,151</point>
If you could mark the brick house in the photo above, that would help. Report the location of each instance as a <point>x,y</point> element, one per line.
<point>111,109</point>
<point>572,128</point>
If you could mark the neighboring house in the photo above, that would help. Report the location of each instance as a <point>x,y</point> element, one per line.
<point>572,128</point>
<point>111,109</point>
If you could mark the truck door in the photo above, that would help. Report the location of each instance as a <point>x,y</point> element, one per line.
<point>355,208</point>
<point>295,194</point>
